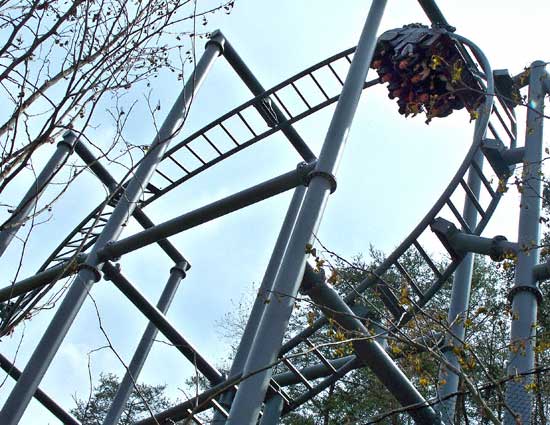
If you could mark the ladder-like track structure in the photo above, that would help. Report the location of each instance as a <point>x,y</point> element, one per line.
<point>271,111</point>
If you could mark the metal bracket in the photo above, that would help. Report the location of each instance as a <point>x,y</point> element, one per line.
<point>535,290</point>
<point>265,109</point>
<point>506,87</point>
<point>328,176</point>
<point>444,230</point>
<point>93,269</point>
<point>459,243</point>
<point>70,139</point>
<point>502,160</point>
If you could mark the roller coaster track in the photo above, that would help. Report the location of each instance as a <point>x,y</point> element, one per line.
<point>252,122</point>
<point>314,89</point>
<point>501,127</point>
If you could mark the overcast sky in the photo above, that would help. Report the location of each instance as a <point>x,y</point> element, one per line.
<point>392,171</point>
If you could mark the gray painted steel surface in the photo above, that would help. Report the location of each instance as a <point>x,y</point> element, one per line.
<point>369,350</point>
<point>264,292</point>
<point>249,397</point>
<point>47,347</point>
<point>177,273</point>
<point>525,292</point>
<point>29,201</point>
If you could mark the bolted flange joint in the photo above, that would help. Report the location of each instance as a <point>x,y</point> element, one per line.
<point>328,176</point>
<point>182,267</point>
<point>93,269</point>
<point>534,289</point>
<point>70,139</point>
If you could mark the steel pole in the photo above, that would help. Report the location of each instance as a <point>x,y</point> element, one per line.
<point>209,212</point>
<point>368,350</point>
<point>44,399</point>
<point>162,324</point>
<point>525,294</point>
<point>272,410</point>
<point>252,391</point>
<point>144,347</point>
<point>264,292</point>
<point>460,300</point>
<point>257,89</point>
<point>29,201</point>
<point>112,185</point>
<point>89,273</point>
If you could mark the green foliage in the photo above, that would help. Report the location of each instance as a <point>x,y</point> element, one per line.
<point>142,401</point>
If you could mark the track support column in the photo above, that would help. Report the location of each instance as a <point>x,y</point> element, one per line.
<point>264,292</point>
<point>525,294</point>
<point>144,347</point>
<point>460,300</point>
<point>29,201</point>
<point>252,391</point>
<point>90,271</point>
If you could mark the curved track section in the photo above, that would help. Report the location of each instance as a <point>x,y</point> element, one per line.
<point>204,148</point>
<point>388,281</point>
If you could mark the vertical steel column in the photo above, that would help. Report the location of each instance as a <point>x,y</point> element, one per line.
<point>266,287</point>
<point>144,347</point>
<point>272,410</point>
<point>251,392</point>
<point>29,201</point>
<point>90,271</point>
<point>525,294</point>
<point>460,300</point>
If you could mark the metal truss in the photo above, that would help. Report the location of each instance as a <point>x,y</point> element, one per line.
<point>254,391</point>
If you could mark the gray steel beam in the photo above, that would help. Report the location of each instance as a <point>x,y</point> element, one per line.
<point>41,279</point>
<point>159,320</point>
<point>144,347</point>
<point>459,243</point>
<point>21,214</point>
<point>209,212</point>
<point>159,232</point>
<point>44,399</point>
<point>525,293</point>
<point>460,299</point>
<point>264,291</point>
<point>112,185</point>
<point>252,391</point>
<point>272,410</point>
<point>434,14</point>
<point>89,273</point>
<point>316,371</point>
<point>541,272</point>
<point>369,351</point>
<point>257,89</point>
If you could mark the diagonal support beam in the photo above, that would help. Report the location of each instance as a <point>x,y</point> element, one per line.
<point>161,323</point>
<point>113,186</point>
<point>209,212</point>
<point>257,89</point>
<point>9,229</point>
<point>177,274</point>
<point>367,349</point>
<point>89,273</point>
<point>186,221</point>
<point>44,399</point>
<point>252,391</point>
